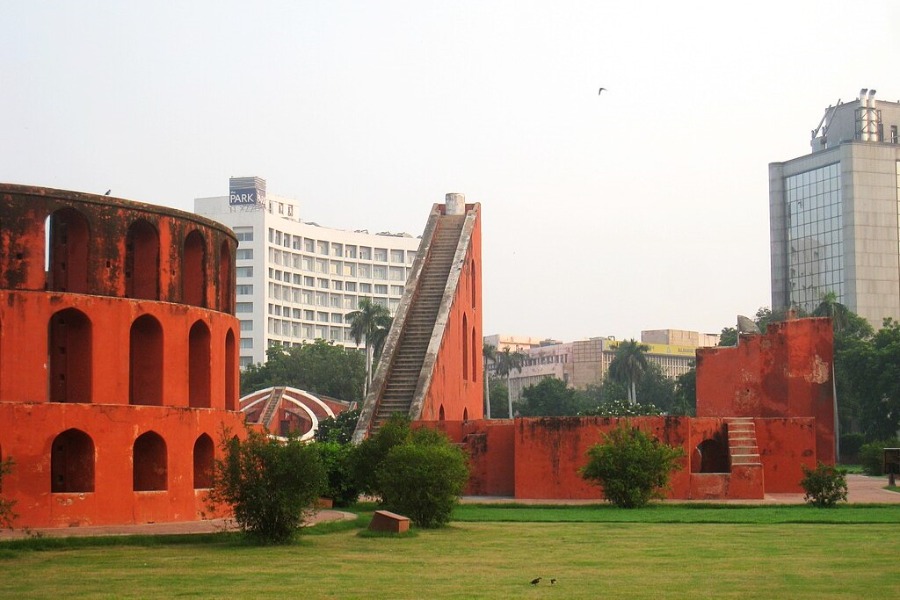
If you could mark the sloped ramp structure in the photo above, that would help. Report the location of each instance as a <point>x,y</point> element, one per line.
<point>431,365</point>
<point>281,410</point>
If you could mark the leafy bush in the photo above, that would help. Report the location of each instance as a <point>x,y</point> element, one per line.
<point>871,455</point>
<point>621,408</point>
<point>270,486</point>
<point>825,485</point>
<point>338,429</point>
<point>337,460</point>
<point>423,480</point>
<point>7,516</point>
<point>372,451</point>
<point>631,466</point>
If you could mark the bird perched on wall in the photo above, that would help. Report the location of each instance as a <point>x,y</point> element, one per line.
<point>536,580</point>
<point>107,192</point>
<point>601,91</point>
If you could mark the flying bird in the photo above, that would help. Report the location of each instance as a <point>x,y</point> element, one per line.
<point>601,91</point>
<point>536,580</point>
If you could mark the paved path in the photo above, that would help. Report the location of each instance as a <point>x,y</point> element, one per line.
<point>861,490</point>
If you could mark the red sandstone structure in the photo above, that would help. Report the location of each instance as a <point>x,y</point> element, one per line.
<point>118,357</point>
<point>284,410</point>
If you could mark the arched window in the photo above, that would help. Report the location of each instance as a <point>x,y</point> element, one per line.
<point>145,362</point>
<point>193,274</point>
<point>69,361</point>
<point>150,464</point>
<point>72,462</point>
<point>142,261</point>
<point>198,366</point>
<point>465,414</point>
<point>474,354</point>
<point>203,462</point>
<point>710,457</point>
<point>465,347</point>
<point>226,278</point>
<point>230,371</point>
<point>441,413</point>
<point>472,281</point>
<point>67,260</point>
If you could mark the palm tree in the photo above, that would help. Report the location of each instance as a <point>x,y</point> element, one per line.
<point>628,365</point>
<point>489,354</point>
<point>507,361</point>
<point>368,323</point>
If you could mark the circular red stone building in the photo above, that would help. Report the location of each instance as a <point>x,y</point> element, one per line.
<point>118,357</point>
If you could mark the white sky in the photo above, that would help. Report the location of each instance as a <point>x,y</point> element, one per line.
<point>643,208</point>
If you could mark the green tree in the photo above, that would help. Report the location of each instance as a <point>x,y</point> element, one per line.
<point>507,362</point>
<point>656,389</point>
<point>337,459</point>
<point>367,324</point>
<point>728,337</point>
<point>685,394</point>
<point>548,398</point>
<point>631,466</point>
<point>629,364</point>
<point>7,515</point>
<point>319,367</point>
<point>830,307</point>
<point>371,452</point>
<point>499,396</point>
<point>489,356</point>
<point>825,485</point>
<point>339,428</point>
<point>423,480</point>
<point>270,486</point>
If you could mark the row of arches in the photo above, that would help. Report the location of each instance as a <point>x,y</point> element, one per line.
<point>68,261</point>
<point>71,354</point>
<point>72,458</point>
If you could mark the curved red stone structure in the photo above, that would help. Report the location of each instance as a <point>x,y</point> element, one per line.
<point>118,357</point>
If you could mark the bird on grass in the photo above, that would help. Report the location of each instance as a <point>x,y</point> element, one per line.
<point>536,580</point>
<point>553,581</point>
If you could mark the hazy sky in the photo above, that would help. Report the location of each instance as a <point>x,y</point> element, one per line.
<point>643,208</point>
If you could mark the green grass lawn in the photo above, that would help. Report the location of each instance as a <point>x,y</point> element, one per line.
<point>670,551</point>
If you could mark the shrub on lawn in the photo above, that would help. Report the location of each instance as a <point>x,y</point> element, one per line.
<point>337,459</point>
<point>631,466</point>
<point>271,486</point>
<point>871,455</point>
<point>371,452</point>
<point>825,485</point>
<point>423,480</point>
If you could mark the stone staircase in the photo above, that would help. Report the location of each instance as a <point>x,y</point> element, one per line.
<point>418,327</point>
<point>742,445</point>
<point>271,406</point>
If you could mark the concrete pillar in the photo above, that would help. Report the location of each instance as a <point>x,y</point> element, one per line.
<point>456,204</point>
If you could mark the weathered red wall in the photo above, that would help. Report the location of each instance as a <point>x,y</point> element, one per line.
<point>783,374</point>
<point>784,446</point>
<point>67,354</point>
<point>459,390</point>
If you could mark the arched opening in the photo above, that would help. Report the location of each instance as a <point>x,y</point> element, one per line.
<point>441,413</point>
<point>145,362</point>
<point>472,281</point>
<point>198,366</point>
<point>203,462</point>
<point>67,251</point>
<point>465,347</point>
<point>142,261</point>
<point>193,273</point>
<point>226,278</point>
<point>150,463</point>
<point>72,462</point>
<point>465,414</point>
<point>474,354</point>
<point>710,457</point>
<point>69,356</point>
<point>230,371</point>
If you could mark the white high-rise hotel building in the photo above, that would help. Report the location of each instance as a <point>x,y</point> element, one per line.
<point>835,213</point>
<point>296,281</point>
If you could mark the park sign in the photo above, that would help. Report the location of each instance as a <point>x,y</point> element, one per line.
<point>246,191</point>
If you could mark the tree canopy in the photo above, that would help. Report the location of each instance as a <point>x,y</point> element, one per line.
<point>629,364</point>
<point>319,367</point>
